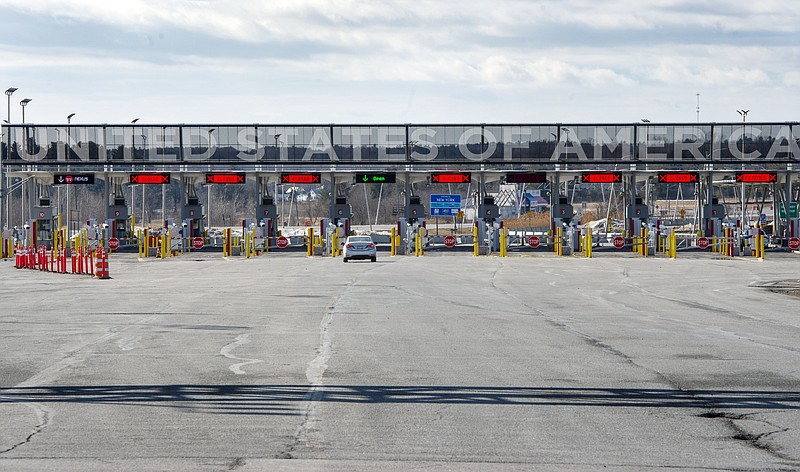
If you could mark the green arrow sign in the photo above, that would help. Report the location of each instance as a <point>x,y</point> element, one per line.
<point>376,178</point>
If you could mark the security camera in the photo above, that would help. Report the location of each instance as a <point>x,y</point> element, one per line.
<point>262,224</point>
<point>27,226</point>
<point>184,225</point>
<point>105,225</point>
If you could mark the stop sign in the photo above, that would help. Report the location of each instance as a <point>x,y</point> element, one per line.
<point>198,243</point>
<point>618,242</point>
<point>282,242</point>
<point>113,244</point>
<point>450,241</point>
<point>534,241</point>
<point>702,242</point>
<point>794,244</point>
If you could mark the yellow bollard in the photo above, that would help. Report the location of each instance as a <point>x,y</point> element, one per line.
<point>475,248</point>
<point>723,247</point>
<point>589,242</point>
<point>673,240</point>
<point>392,242</point>
<point>310,242</point>
<point>559,241</point>
<point>645,239</point>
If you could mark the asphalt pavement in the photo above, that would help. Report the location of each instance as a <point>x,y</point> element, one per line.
<point>446,362</point>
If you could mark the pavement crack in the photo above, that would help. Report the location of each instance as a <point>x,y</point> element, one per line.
<point>308,434</point>
<point>43,420</point>
<point>757,441</point>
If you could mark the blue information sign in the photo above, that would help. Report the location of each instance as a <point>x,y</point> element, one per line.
<point>445,205</point>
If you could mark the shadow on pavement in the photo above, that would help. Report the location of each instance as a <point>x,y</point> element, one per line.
<point>289,399</point>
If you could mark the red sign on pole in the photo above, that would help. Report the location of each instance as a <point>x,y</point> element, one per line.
<point>678,177</point>
<point>618,242</point>
<point>152,178</point>
<point>113,244</point>
<point>794,244</point>
<point>702,242</point>
<point>226,178</point>
<point>756,177</point>
<point>534,241</point>
<point>198,243</point>
<point>282,242</point>
<point>313,178</point>
<point>601,177</point>
<point>450,241</point>
<point>451,177</point>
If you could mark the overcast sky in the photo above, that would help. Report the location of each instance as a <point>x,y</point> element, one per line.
<point>400,61</point>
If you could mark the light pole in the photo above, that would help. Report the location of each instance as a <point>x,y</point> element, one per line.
<point>23,103</point>
<point>9,92</point>
<point>277,159</point>
<point>3,182</point>
<point>66,148</point>
<point>743,113</point>
<point>208,186</point>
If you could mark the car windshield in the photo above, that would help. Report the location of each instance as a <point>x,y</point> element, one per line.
<point>360,239</point>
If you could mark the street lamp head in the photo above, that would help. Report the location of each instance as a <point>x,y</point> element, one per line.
<point>645,120</point>
<point>134,120</point>
<point>211,130</point>
<point>69,117</point>
<point>10,90</point>
<point>25,101</point>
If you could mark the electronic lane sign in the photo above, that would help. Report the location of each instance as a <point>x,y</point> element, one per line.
<point>445,205</point>
<point>601,177</point>
<point>73,179</point>
<point>306,178</point>
<point>150,178</point>
<point>678,177</point>
<point>451,178</point>
<point>756,177</point>
<point>526,178</point>
<point>376,178</point>
<point>225,178</point>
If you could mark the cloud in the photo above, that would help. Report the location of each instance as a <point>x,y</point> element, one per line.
<point>572,53</point>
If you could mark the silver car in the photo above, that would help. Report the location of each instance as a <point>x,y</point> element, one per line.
<point>359,247</point>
